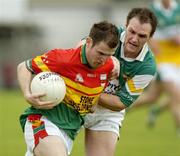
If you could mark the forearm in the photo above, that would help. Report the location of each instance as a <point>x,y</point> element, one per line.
<point>111,102</point>
<point>24,78</point>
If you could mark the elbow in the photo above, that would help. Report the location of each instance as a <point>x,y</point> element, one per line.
<point>21,69</point>
<point>111,102</point>
<point>20,66</point>
<point>118,105</point>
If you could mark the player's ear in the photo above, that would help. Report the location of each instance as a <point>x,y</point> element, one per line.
<point>127,24</point>
<point>89,42</point>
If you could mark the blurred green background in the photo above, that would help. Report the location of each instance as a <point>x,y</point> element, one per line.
<point>35,26</point>
<point>136,139</point>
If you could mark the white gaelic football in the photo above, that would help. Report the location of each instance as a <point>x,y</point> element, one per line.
<point>51,84</point>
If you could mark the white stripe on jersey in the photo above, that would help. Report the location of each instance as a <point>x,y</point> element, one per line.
<point>136,85</point>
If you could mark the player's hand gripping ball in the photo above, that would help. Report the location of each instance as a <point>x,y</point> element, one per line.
<point>50,84</point>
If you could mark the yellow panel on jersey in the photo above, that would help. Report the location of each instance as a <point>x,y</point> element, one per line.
<point>79,101</point>
<point>81,88</point>
<point>169,52</point>
<point>132,87</point>
<point>80,97</point>
<point>41,65</point>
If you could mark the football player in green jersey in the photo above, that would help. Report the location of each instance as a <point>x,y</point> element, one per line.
<point>137,69</point>
<point>166,45</point>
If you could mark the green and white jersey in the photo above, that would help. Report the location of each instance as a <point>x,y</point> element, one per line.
<point>135,74</point>
<point>168,20</point>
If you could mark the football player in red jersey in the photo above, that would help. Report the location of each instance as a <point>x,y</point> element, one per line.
<point>50,130</point>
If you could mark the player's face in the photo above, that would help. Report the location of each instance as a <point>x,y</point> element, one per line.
<point>137,35</point>
<point>166,3</point>
<point>98,54</point>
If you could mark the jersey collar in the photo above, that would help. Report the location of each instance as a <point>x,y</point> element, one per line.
<point>83,56</point>
<point>141,55</point>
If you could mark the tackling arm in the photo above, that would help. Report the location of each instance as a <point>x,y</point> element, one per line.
<point>111,102</point>
<point>127,94</point>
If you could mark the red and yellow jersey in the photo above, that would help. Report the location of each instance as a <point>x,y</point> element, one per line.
<point>83,83</point>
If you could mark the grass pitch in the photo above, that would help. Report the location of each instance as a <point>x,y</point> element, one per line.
<point>136,139</point>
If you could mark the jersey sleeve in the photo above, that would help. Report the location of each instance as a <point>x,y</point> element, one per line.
<point>46,62</point>
<point>133,88</point>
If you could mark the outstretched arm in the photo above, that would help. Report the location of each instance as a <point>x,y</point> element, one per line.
<point>126,95</point>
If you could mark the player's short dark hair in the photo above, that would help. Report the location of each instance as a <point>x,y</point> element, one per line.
<point>144,15</point>
<point>105,31</point>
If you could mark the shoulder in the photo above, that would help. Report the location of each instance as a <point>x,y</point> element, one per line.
<point>59,50</point>
<point>64,52</point>
<point>121,29</point>
<point>148,65</point>
<point>65,55</point>
<point>109,65</point>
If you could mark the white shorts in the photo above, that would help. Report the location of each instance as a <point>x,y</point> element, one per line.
<point>169,72</point>
<point>104,120</point>
<point>49,129</point>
